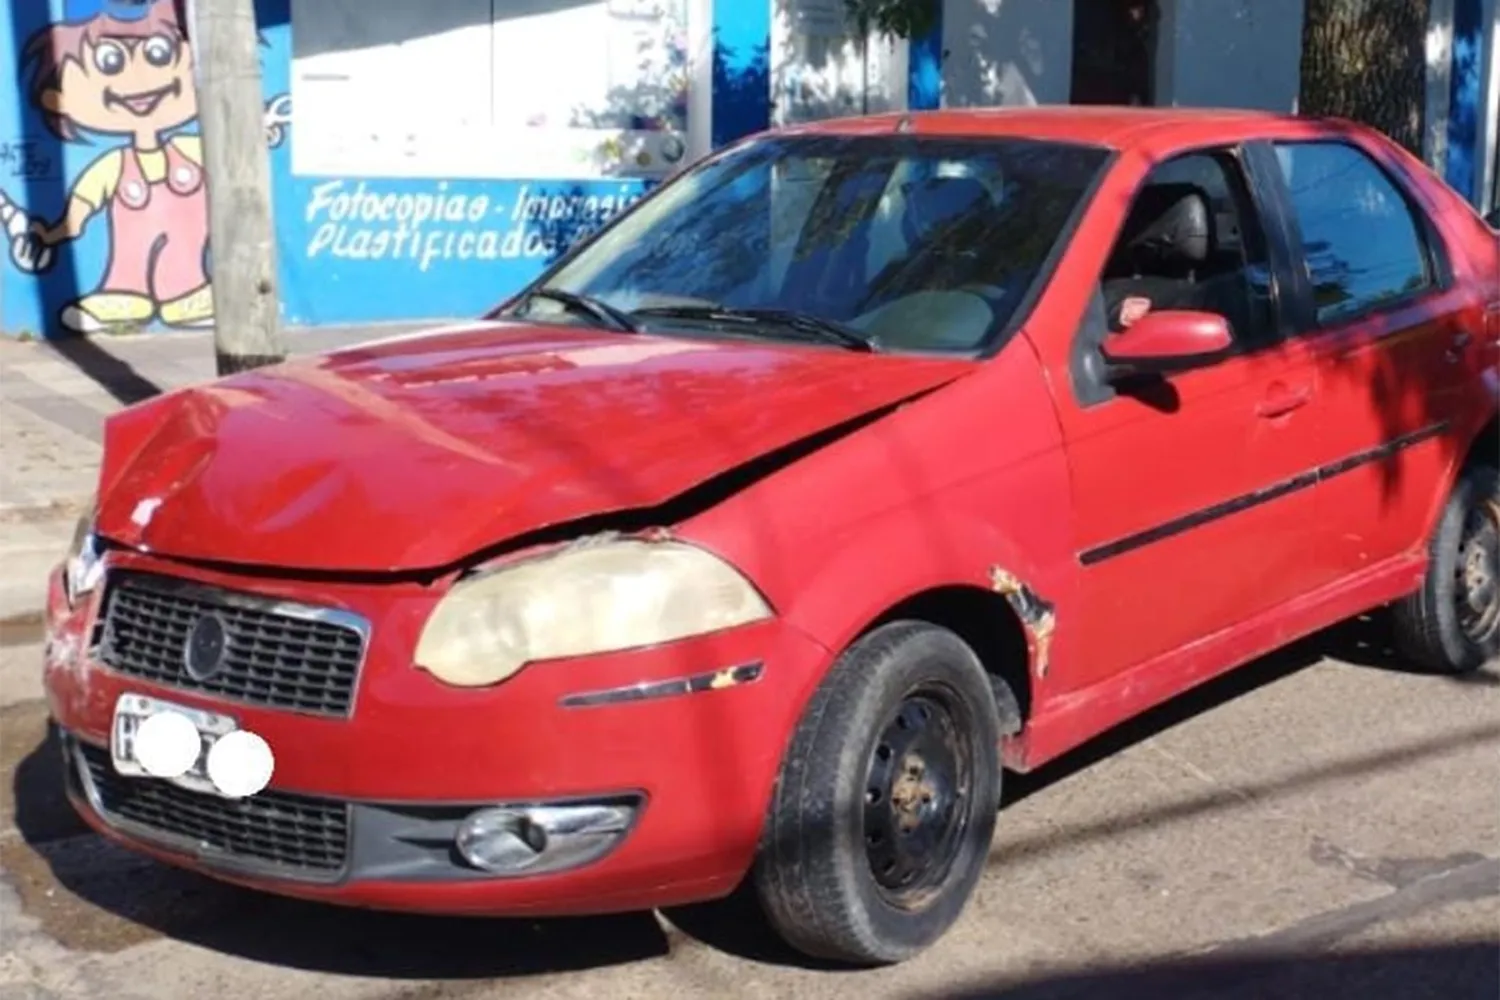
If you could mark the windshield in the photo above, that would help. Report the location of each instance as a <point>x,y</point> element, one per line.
<point>915,243</point>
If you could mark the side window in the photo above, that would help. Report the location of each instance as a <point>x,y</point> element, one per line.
<point>1361,245</point>
<point>1192,241</point>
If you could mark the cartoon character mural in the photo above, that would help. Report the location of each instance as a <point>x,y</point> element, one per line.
<point>123,70</point>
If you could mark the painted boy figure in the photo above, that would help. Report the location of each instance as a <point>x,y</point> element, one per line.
<point>126,70</point>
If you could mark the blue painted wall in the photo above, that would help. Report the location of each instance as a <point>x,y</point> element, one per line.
<point>360,249</point>
<point>924,84</point>
<point>357,249</point>
<point>741,69</point>
<point>1465,98</point>
<point>351,249</point>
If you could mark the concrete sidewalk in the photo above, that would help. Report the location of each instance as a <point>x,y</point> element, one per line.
<point>54,397</point>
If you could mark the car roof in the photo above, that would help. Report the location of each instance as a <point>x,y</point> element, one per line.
<point>1119,127</point>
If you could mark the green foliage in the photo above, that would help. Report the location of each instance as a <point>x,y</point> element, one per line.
<point>894,18</point>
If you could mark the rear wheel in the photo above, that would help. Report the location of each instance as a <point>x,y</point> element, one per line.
<point>881,821</point>
<point>1452,625</point>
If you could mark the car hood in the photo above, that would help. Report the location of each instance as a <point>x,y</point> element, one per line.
<point>415,453</point>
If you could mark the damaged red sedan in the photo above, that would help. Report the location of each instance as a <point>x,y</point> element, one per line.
<point>761,534</point>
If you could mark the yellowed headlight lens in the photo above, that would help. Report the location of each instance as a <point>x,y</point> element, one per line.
<point>593,598</point>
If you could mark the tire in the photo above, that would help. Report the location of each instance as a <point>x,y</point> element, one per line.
<point>904,685</point>
<point>1438,627</point>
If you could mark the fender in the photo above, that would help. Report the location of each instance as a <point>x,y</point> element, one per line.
<point>126,432</point>
<point>956,551</point>
<point>856,585</point>
<point>954,489</point>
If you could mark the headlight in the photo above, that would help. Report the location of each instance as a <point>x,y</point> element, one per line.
<point>595,598</point>
<point>84,566</point>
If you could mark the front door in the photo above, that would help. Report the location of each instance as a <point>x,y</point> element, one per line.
<point>1192,515</point>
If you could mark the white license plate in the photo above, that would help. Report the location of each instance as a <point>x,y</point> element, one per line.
<point>133,709</point>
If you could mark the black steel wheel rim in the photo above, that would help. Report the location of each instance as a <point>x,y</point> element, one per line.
<point>1477,574</point>
<point>918,795</point>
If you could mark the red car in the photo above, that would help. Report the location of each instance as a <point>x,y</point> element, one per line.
<point>752,540</point>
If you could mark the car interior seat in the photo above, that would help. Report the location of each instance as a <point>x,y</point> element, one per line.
<point>1166,240</point>
<point>934,213</point>
<point>911,301</point>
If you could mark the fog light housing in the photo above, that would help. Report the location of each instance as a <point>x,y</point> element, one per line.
<point>535,840</point>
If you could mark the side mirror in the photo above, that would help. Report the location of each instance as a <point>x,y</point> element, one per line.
<point>1161,343</point>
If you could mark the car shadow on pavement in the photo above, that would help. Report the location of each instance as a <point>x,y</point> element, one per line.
<point>324,939</point>
<point>92,896</point>
<point>1364,642</point>
<point>1369,642</point>
<point>734,925</point>
<point>1448,970</point>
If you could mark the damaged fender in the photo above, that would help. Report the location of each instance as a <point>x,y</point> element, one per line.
<point>832,611</point>
<point>1038,616</point>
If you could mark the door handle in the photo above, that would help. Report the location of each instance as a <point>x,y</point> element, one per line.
<point>1456,352</point>
<point>1283,399</point>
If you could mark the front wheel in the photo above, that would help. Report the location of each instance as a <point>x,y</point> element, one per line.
<point>1452,625</point>
<point>881,821</point>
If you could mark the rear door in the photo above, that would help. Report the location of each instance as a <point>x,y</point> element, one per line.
<point>1383,316</point>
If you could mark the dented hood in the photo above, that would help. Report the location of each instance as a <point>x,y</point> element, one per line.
<point>415,453</point>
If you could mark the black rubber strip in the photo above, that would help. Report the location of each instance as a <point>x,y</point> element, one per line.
<point>1246,501</point>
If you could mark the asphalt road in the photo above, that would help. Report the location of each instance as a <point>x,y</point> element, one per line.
<point>1320,824</point>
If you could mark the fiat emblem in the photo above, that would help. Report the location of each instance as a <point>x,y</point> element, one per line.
<point>206,648</point>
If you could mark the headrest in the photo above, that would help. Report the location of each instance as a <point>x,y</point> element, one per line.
<point>1170,222</point>
<point>938,201</point>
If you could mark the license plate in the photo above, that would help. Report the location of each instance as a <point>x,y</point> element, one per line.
<point>133,709</point>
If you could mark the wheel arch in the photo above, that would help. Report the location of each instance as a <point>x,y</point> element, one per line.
<point>989,625</point>
<point>1464,453</point>
<point>1486,444</point>
<point>965,576</point>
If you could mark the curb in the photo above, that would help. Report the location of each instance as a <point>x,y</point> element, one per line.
<point>22,629</point>
<point>42,532</point>
<point>51,510</point>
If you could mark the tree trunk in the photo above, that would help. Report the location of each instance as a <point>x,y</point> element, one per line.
<point>1366,60</point>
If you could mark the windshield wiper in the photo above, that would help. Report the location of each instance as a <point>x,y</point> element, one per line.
<point>828,330</point>
<point>597,309</point>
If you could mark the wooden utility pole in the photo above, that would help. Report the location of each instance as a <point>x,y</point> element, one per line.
<point>226,49</point>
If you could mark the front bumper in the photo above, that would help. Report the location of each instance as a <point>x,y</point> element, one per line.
<point>693,744</point>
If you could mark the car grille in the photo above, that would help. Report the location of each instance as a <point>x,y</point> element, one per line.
<point>276,654</point>
<point>272,832</point>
